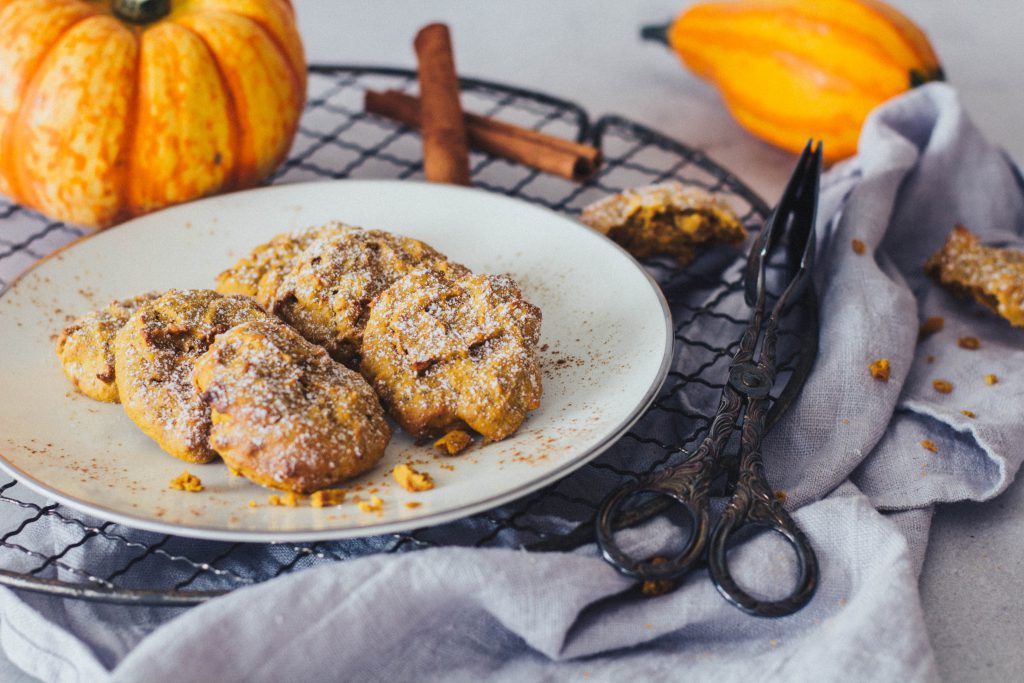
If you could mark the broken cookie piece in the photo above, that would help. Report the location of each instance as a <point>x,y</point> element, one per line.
<point>992,276</point>
<point>668,218</point>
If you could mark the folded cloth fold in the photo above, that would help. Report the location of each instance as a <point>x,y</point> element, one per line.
<point>849,447</point>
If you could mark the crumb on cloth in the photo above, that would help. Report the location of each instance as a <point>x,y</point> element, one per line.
<point>652,588</point>
<point>930,326</point>
<point>942,386</point>
<point>880,369</point>
<point>929,445</point>
<point>969,343</point>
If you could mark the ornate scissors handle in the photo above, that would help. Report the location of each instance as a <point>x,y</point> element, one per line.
<point>688,484</point>
<point>753,503</point>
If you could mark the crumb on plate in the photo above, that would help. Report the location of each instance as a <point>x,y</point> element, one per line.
<point>375,504</point>
<point>327,497</point>
<point>454,442</point>
<point>410,479</point>
<point>288,500</point>
<point>187,482</point>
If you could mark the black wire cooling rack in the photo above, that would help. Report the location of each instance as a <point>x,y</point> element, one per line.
<point>50,548</point>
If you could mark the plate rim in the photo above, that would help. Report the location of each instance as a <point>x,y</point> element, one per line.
<point>225,535</point>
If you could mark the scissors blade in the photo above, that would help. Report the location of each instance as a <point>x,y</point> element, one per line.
<point>807,166</point>
<point>795,216</point>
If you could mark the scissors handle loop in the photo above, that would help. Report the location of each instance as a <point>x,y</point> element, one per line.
<point>687,487</point>
<point>753,505</point>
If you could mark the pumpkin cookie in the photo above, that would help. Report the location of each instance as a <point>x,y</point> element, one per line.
<point>285,414</point>
<point>86,347</point>
<point>445,349</point>
<point>327,295</point>
<point>992,276</point>
<point>668,219</point>
<point>154,355</point>
<point>259,273</point>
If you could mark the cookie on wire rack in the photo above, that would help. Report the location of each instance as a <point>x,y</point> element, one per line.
<point>665,219</point>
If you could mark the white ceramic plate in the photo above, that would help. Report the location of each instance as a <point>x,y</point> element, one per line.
<point>606,344</point>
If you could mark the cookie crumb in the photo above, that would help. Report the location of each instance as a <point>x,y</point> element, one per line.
<point>454,442</point>
<point>969,343</point>
<point>412,480</point>
<point>413,504</point>
<point>186,482</point>
<point>780,496</point>
<point>968,413</point>
<point>991,379</point>
<point>858,247</point>
<point>288,500</point>
<point>880,369</point>
<point>930,326</point>
<point>252,503</point>
<point>375,504</point>
<point>942,386</point>
<point>327,497</point>
<point>652,588</point>
<point>930,446</point>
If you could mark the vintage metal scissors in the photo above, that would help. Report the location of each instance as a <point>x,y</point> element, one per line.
<point>753,503</point>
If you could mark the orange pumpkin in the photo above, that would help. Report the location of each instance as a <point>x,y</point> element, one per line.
<point>790,70</point>
<point>112,108</point>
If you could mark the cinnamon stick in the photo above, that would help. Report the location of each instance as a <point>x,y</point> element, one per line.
<point>445,149</point>
<point>531,148</point>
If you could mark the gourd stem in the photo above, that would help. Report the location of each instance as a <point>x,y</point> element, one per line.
<point>140,11</point>
<point>657,32</point>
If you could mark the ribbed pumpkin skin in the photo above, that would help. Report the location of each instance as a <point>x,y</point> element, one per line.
<point>102,120</point>
<point>790,70</point>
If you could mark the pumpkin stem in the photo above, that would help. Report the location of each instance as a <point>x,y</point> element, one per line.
<point>140,11</point>
<point>656,32</point>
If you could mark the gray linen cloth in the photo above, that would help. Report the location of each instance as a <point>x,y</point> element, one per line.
<point>848,453</point>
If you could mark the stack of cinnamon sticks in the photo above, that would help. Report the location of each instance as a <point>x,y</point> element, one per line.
<point>448,132</point>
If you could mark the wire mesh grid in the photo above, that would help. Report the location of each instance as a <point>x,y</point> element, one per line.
<point>49,547</point>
